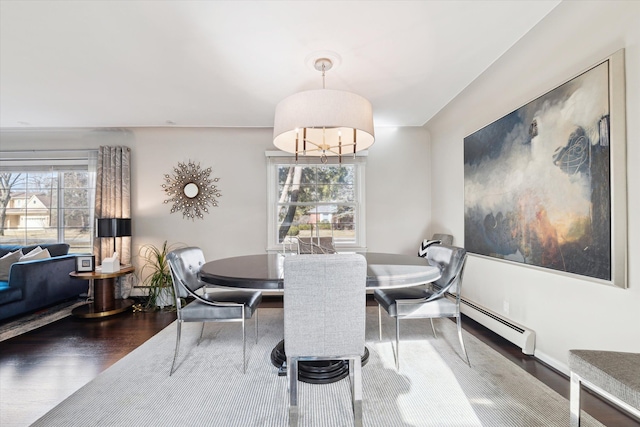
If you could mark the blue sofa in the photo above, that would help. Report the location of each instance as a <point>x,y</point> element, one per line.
<point>36,284</point>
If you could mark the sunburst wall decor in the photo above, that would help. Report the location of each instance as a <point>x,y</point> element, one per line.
<point>191,190</point>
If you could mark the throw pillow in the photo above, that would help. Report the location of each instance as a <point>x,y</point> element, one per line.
<point>33,251</point>
<point>9,254</point>
<point>33,255</point>
<point>422,252</point>
<point>5,264</point>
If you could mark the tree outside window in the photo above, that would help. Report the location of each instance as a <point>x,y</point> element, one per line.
<point>315,200</point>
<point>46,206</point>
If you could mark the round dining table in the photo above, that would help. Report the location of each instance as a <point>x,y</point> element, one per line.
<point>264,272</point>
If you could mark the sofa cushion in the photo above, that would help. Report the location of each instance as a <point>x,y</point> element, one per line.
<point>6,262</point>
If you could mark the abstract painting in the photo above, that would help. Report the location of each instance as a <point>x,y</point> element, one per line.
<point>537,182</point>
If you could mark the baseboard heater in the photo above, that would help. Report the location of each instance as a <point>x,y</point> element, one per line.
<point>517,334</point>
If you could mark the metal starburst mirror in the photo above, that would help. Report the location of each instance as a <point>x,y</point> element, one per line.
<point>191,190</point>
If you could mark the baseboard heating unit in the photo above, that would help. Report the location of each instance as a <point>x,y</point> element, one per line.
<point>517,334</point>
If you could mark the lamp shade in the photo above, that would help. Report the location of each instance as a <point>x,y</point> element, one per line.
<point>113,227</point>
<point>323,122</point>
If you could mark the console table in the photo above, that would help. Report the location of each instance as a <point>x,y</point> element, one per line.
<point>104,300</point>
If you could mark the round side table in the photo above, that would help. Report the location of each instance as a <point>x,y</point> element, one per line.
<point>104,300</point>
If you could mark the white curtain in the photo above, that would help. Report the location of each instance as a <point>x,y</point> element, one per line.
<point>113,200</point>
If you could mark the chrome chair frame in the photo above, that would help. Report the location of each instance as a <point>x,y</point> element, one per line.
<point>355,380</point>
<point>438,293</point>
<point>182,289</point>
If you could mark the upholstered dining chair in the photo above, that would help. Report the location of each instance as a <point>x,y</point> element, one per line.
<point>208,305</point>
<point>324,318</point>
<point>438,299</point>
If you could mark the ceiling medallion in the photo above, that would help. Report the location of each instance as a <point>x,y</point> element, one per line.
<point>191,190</point>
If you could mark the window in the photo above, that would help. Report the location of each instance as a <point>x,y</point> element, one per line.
<point>47,197</point>
<point>311,199</point>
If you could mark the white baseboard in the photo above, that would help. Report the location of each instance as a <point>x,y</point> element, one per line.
<point>554,363</point>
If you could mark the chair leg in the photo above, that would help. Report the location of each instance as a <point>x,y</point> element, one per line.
<point>464,350</point>
<point>574,400</point>
<point>256,324</point>
<point>379,322</point>
<point>201,333</point>
<point>292,376</point>
<point>397,343</point>
<point>433,328</point>
<point>244,346</point>
<point>355,374</point>
<point>351,383</point>
<point>175,354</point>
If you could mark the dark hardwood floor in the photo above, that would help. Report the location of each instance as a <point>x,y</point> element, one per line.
<point>41,368</point>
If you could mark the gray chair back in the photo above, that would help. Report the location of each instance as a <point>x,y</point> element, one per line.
<point>450,260</point>
<point>185,265</point>
<point>324,305</point>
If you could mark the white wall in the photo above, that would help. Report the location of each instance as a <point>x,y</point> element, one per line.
<point>396,176</point>
<point>564,312</point>
<point>398,190</point>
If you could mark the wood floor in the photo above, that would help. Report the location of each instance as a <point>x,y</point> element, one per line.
<point>41,368</point>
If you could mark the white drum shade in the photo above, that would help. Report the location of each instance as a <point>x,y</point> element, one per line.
<point>328,117</point>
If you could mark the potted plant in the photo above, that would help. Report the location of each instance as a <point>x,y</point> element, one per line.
<point>158,276</point>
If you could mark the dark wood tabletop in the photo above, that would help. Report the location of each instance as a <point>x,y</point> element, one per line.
<point>98,274</point>
<point>264,271</point>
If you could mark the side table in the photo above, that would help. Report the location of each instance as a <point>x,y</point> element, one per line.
<point>104,299</point>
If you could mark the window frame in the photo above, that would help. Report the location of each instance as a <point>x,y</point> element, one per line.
<point>60,162</point>
<point>278,158</point>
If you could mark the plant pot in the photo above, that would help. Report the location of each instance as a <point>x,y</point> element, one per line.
<point>165,298</point>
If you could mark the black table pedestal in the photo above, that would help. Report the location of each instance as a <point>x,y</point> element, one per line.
<point>317,371</point>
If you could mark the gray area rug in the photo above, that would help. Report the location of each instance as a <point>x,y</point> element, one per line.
<point>35,320</point>
<point>434,387</point>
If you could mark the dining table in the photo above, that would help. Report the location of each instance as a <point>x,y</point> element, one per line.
<point>264,272</point>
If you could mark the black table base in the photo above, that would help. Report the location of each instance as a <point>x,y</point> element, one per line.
<point>315,372</point>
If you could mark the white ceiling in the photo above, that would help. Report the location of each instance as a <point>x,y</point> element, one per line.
<point>228,63</point>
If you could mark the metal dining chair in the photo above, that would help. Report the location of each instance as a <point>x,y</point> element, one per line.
<point>436,239</point>
<point>445,239</point>
<point>324,318</point>
<point>438,299</point>
<point>210,305</point>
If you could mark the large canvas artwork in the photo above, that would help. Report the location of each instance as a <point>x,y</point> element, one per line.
<point>538,181</point>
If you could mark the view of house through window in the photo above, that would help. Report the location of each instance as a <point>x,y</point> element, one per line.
<point>51,205</point>
<point>317,200</point>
